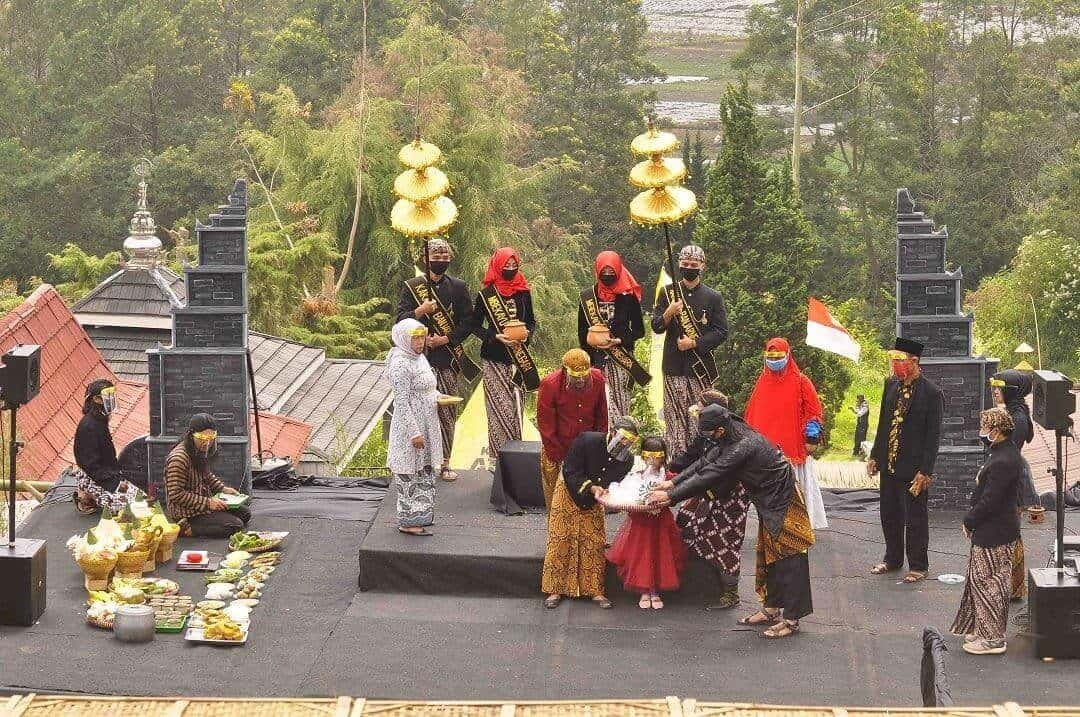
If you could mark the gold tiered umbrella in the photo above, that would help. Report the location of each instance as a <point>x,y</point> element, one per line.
<point>422,209</point>
<point>664,201</point>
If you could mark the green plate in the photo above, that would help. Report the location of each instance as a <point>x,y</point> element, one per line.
<point>174,628</point>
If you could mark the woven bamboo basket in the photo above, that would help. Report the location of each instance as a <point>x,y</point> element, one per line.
<point>168,540</point>
<point>97,569</point>
<point>131,562</point>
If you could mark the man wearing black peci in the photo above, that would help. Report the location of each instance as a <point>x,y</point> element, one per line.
<point>905,449</point>
<point>448,318</point>
<point>692,332</point>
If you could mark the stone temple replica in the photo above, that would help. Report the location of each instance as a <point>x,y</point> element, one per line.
<point>928,310</point>
<point>205,369</point>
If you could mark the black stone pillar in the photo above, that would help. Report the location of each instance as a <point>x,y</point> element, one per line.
<point>205,370</point>
<point>928,311</point>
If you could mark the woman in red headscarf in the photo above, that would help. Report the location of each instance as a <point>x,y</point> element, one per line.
<point>504,296</point>
<point>613,301</point>
<point>784,407</point>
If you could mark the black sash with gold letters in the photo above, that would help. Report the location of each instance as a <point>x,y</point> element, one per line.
<point>590,304</point>
<point>527,373</point>
<point>444,325</point>
<point>702,362</point>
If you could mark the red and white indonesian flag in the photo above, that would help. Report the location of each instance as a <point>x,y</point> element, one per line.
<point>825,333</point>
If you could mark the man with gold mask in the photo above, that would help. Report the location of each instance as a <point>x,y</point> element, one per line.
<point>571,400</point>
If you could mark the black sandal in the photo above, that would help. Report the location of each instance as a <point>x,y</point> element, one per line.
<point>767,619</point>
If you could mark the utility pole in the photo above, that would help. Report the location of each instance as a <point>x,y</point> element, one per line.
<point>796,130</point>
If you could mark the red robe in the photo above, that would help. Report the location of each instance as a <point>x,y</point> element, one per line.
<point>563,413</point>
<point>782,404</point>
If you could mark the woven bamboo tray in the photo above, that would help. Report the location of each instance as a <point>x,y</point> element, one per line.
<point>47,706</point>
<point>670,706</point>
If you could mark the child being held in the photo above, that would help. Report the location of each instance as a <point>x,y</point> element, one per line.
<point>648,551</point>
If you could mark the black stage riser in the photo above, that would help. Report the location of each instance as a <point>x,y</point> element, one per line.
<point>478,552</point>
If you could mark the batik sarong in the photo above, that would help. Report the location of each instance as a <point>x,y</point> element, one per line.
<point>447,382</point>
<point>618,395</point>
<point>680,393</point>
<point>115,502</point>
<point>549,475</point>
<point>714,530</point>
<point>574,562</point>
<point>1019,571</point>
<point>984,606</point>
<point>782,575</point>
<point>416,499</point>
<point>503,400</point>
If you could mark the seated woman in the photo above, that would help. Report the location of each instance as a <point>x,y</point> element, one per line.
<point>190,485</point>
<point>99,480</point>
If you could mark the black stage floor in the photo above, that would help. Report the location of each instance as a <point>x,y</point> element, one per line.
<point>316,635</point>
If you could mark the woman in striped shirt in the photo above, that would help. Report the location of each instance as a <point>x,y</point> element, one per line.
<point>190,485</point>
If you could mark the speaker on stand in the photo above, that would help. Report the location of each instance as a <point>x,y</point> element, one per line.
<point>22,560</point>
<point>1054,593</point>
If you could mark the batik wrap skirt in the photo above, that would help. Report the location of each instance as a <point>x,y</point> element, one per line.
<point>448,382</point>
<point>503,400</point>
<point>782,575</point>
<point>714,530</point>
<point>984,606</point>
<point>618,395</point>
<point>680,393</point>
<point>549,475</point>
<point>416,499</point>
<point>574,562</point>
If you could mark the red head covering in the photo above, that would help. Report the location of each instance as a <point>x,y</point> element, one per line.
<point>494,273</point>
<point>624,280</point>
<point>782,403</point>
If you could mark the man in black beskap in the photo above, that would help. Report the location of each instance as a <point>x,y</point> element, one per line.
<point>688,366</point>
<point>905,449</point>
<point>449,322</point>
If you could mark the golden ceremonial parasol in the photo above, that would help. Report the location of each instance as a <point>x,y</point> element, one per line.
<point>664,201</point>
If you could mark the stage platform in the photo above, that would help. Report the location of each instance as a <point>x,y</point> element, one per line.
<point>478,552</point>
<point>316,635</point>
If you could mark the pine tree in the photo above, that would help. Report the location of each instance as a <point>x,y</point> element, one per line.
<point>761,255</point>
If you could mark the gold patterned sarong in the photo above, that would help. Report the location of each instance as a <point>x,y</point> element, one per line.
<point>549,476</point>
<point>796,536</point>
<point>574,563</point>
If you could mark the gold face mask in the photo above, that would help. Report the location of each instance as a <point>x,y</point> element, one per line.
<point>997,383</point>
<point>205,436</point>
<point>649,455</point>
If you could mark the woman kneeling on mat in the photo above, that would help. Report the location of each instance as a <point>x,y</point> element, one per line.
<point>190,486</point>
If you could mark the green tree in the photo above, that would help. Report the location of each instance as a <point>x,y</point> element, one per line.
<point>762,250</point>
<point>83,271</point>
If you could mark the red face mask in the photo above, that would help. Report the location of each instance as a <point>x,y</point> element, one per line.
<point>903,370</point>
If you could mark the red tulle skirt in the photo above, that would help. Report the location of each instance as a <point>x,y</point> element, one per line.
<point>648,552</point>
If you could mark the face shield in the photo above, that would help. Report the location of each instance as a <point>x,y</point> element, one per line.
<point>108,400</point>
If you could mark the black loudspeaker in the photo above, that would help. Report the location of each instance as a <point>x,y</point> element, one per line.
<point>22,582</point>
<point>1054,612</point>
<point>21,378</point>
<point>1052,400</point>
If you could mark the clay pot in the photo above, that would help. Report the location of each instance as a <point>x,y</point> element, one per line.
<point>1036,515</point>
<point>599,335</point>
<point>515,330</point>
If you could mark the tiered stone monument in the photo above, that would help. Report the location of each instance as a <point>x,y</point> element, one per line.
<point>928,310</point>
<point>205,369</point>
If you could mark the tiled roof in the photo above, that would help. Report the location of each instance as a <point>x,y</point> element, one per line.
<point>135,290</point>
<point>341,401</point>
<point>124,348</point>
<point>279,364</point>
<point>1041,454</point>
<point>68,362</point>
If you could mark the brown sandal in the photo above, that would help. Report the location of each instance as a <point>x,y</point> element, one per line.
<point>782,629</point>
<point>881,569</point>
<point>766,619</point>
<point>446,474</point>
<point>914,576</point>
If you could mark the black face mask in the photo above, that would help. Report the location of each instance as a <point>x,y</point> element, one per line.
<point>689,274</point>
<point>509,274</point>
<point>608,279</point>
<point>438,267</point>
